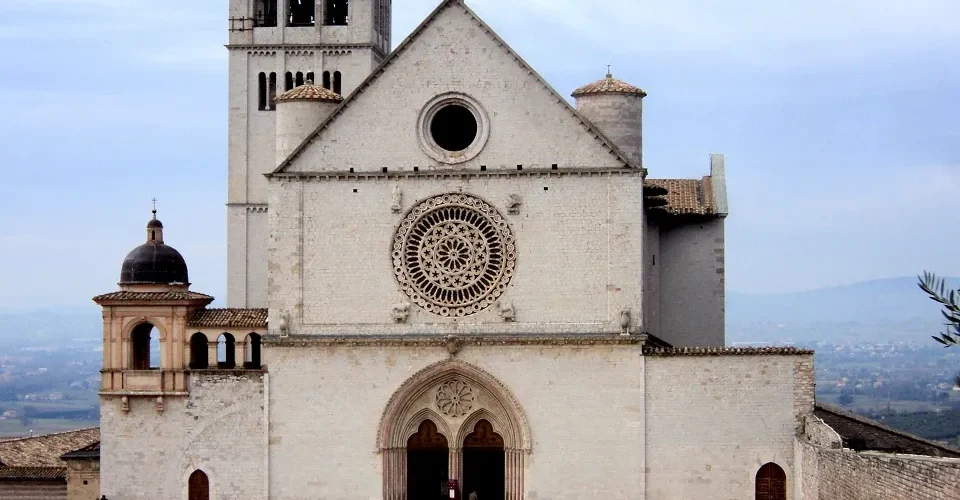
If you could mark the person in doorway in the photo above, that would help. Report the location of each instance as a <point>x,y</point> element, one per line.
<point>473,495</point>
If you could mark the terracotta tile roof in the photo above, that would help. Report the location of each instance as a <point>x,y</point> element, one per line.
<point>861,433</point>
<point>309,93</point>
<point>686,196</point>
<point>32,473</point>
<point>151,296</point>
<point>726,351</point>
<point>608,85</point>
<point>230,318</point>
<point>46,450</point>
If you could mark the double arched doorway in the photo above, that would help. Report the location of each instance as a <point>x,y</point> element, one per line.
<point>428,463</point>
<point>452,421</point>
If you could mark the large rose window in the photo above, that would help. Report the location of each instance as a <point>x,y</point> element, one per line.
<point>454,255</point>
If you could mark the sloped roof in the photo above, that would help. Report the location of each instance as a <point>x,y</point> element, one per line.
<point>861,433</point>
<point>686,196</point>
<point>151,296</point>
<point>608,85</point>
<point>390,59</point>
<point>87,452</point>
<point>230,318</point>
<point>309,93</point>
<point>45,450</point>
<point>32,473</point>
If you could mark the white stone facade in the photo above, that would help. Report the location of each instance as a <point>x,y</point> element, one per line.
<point>524,282</point>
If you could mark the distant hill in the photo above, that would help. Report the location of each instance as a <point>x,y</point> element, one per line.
<point>42,327</point>
<point>872,311</point>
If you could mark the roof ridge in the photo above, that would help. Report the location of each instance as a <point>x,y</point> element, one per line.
<point>395,54</point>
<point>873,423</point>
<point>23,438</point>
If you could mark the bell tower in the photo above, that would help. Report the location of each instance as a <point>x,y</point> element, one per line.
<point>275,46</point>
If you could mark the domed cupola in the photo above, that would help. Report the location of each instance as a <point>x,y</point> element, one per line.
<point>616,108</point>
<point>154,263</point>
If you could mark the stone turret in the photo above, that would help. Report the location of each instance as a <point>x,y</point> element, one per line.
<point>299,112</point>
<point>616,108</point>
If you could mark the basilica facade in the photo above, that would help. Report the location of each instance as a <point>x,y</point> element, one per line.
<point>444,279</point>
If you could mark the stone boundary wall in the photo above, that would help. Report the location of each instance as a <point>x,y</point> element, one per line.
<point>831,474</point>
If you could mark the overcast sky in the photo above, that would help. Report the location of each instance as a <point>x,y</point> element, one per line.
<point>840,121</point>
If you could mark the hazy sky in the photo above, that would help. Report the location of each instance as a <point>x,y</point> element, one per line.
<point>840,121</point>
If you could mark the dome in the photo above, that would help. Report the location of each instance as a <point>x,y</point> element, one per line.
<point>154,263</point>
<point>608,85</point>
<point>310,92</point>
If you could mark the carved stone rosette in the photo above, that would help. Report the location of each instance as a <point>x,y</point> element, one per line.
<point>455,398</point>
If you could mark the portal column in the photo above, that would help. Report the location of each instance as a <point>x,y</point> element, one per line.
<point>455,466</point>
<point>513,473</point>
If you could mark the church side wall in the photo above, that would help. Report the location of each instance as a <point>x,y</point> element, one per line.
<point>651,279</point>
<point>692,280</point>
<point>55,489</point>
<point>578,246</point>
<point>582,404</point>
<point>850,475</point>
<point>219,428</point>
<point>713,421</point>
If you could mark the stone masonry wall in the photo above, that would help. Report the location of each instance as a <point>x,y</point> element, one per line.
<point>219,429</point>
<point>692,279</point>
<point>713,421</point>
<point>33,490</point>
<point>849,475</point>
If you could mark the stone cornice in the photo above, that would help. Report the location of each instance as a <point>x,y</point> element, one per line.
<point>727,351</point>
<point>326,48</point>
<point>451,341</point>
<point>451,174</point>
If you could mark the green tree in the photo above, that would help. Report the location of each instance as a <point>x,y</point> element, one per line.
<point>936,288</point>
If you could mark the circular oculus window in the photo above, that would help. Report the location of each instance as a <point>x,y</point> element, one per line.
<point>454,255</point>
<point>453,128</point>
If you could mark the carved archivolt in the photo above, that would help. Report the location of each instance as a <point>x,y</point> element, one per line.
<point>454,255</point>
<point>455,396</point>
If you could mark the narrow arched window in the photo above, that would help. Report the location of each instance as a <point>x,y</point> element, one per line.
<point>310,77</point>
<point>251,352</point>
<point>262,91</point>
<point>299,78</point>
<point>272,104</point>
<point>198,486</point>
<point>145,343</point>
<point>199,355</point>
<point>326,80</point>
<point>336,82</point>
<point>288,81</point>
<point>226,351</point>
<point>771,483</point>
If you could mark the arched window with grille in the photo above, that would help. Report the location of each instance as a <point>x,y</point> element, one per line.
<point>771,483</point>
<point>198,486</point>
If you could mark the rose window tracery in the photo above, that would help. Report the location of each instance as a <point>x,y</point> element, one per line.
<point>454,255</point>
<point>455,398</point>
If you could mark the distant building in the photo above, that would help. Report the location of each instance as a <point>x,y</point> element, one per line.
<point>60,466</point>
<point>449,278</point>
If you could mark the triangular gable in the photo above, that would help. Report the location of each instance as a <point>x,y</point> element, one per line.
<point>586,142</point>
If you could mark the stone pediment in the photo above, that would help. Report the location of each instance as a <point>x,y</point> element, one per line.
<point>522,122</point>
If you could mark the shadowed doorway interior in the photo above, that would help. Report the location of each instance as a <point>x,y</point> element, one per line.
<point>483,463</point>
<point>427,464</point>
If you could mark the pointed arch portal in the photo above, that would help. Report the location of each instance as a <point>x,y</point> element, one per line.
<point>453,420</point>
